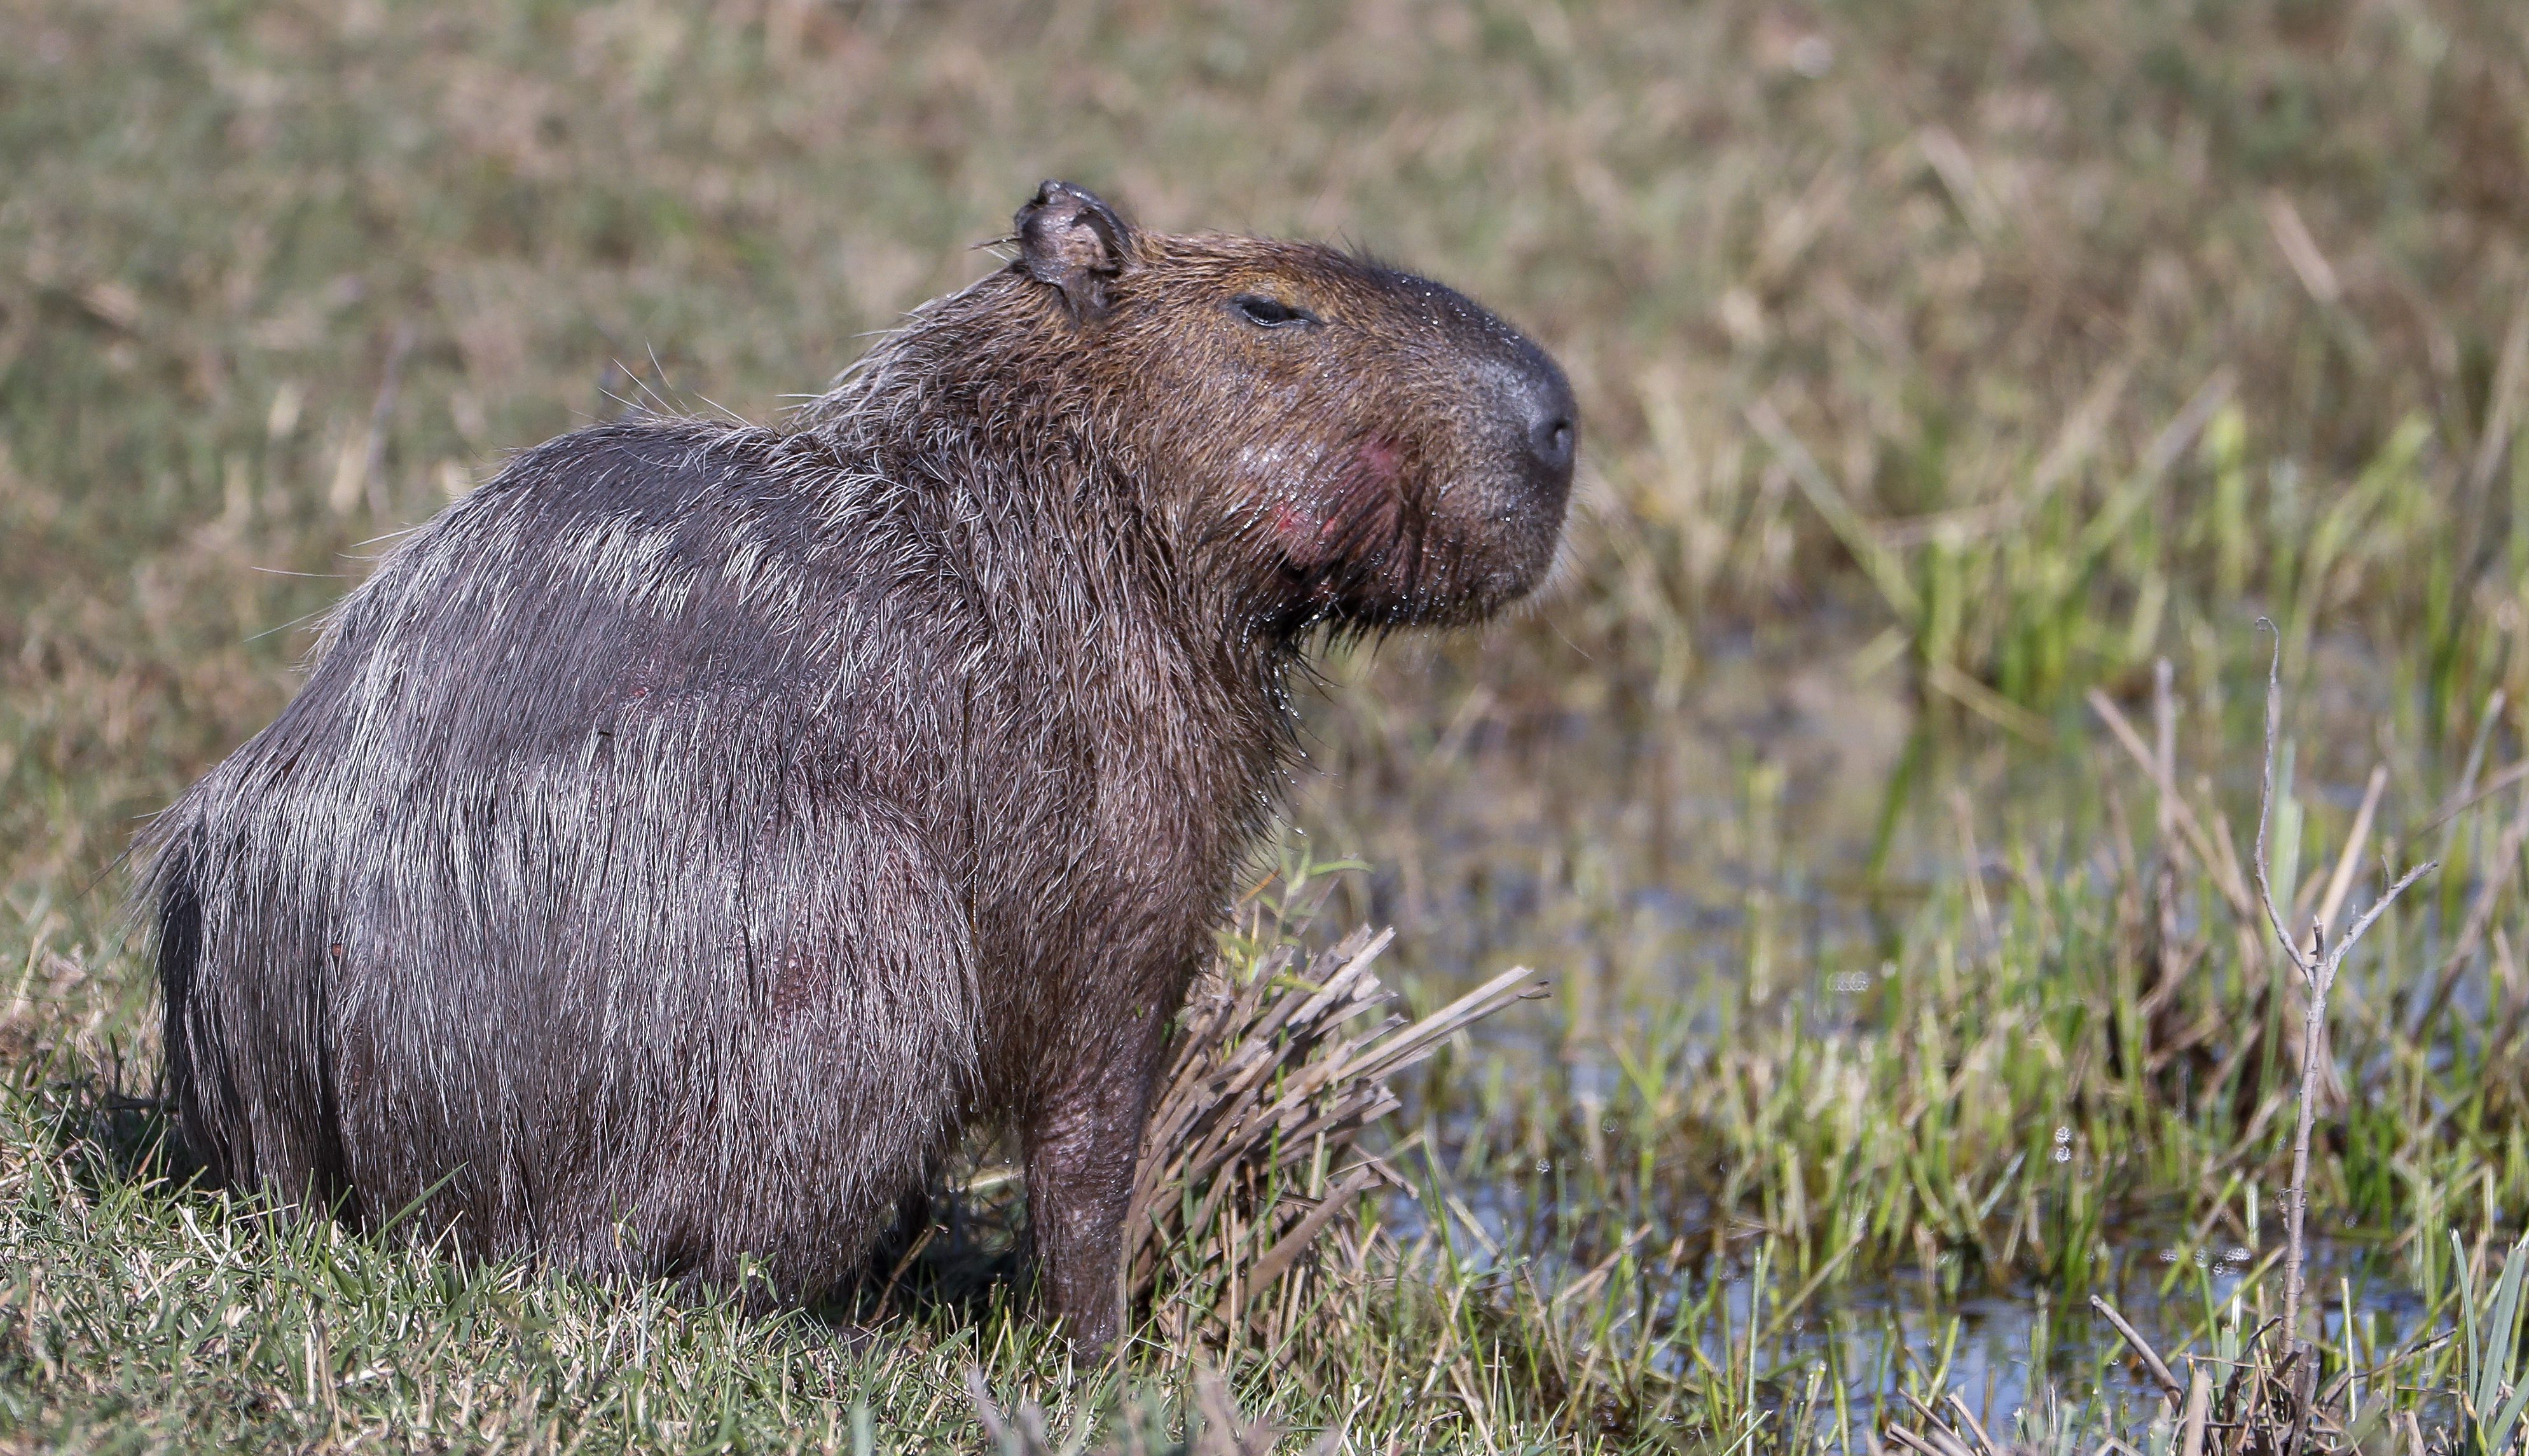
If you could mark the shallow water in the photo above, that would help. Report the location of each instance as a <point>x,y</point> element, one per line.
<point>1742,837</point>
<point>2002,1352</point>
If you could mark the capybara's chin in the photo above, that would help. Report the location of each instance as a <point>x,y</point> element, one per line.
<point>680,839</point>
<point>1490,543</point>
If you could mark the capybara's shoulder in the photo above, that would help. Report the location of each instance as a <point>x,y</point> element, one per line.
<point>650,468</point>
<point>659,515</point>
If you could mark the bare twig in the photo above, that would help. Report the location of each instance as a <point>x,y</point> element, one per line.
<point>2317,967</point>
<point>886,1296</point>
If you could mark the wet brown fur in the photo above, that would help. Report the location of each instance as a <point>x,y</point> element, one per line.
<point>679,839</point>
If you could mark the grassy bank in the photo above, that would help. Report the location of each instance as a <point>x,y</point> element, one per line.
<point>1770,1221</point>
<point>1941,364</point>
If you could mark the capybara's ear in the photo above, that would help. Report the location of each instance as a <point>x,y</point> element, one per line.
<point>1071,239</point>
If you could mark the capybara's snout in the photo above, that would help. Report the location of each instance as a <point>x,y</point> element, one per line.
<point>1549,425</point>
<point>1539,439</point>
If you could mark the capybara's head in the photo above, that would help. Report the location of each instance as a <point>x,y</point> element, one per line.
<point>1376,448</point>
<point>1327,440</point>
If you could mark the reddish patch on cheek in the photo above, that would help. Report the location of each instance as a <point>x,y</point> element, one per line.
<point>1330,511</point>
<point>1293,526</point>
<point>1379,459</point>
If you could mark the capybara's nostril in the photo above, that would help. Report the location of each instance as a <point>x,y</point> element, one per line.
<point>1552,431</point>
<point>1551,440</point>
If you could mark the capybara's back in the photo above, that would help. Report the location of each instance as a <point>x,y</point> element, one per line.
<point>680,839</point>
<point>556,881</point>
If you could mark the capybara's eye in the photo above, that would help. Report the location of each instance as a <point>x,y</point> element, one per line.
<point>1270,313</point>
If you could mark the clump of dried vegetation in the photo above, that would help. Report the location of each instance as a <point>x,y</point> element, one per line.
<point>1961,384</point>
<point>1254,1149</point>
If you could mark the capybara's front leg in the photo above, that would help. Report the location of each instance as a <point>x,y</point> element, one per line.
<point>1081,1150</point>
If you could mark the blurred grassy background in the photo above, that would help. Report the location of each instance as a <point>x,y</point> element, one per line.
<point>1939,361</point>
<point>1911,288</point>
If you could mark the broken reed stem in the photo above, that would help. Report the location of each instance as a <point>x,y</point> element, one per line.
<point>2151,1361</point>
<point>2340,883</point>
<point>2199,1408</point>
<point>2317,969</point>
<point>2211,853</point>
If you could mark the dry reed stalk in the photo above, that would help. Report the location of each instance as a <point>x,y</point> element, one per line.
<point>2480,914</point>
<point>1955,1432</point>
<point>2213,851</point>
<point>1253,1147</point>
<point>2220,865</point>
<point>2151,1361</point>
<point>2199,1409</point>
<point>2469,792</point>
<point>2301,250</point>
<point>2503,404</point>
<point>2341,881</point>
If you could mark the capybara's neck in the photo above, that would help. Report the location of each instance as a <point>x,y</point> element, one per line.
<point>980,401</point>
<point>1034,471</point>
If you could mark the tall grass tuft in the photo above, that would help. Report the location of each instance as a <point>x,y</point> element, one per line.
<point>2494,1392</point>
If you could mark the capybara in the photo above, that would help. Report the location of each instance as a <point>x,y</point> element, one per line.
<point>680,839</point>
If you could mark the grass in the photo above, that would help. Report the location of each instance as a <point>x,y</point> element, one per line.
<point>1604,1300</point>
<point>1947,370</point>
<point>141,1313</point>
